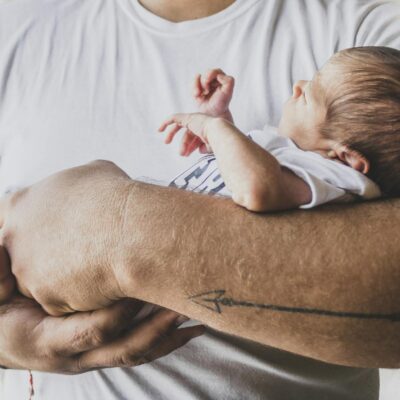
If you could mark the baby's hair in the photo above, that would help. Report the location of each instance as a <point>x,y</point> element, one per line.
<point>363,111</point>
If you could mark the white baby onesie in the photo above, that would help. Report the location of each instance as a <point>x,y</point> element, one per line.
<point>329,180</point>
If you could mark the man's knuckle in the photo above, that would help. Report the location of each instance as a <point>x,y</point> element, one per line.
<point>127,360</point>
<point>55,363</point>
<point>99,336</point>
<point>91,337</point>
<point>159,336</point>
<point>14,198</point>
<point>102,161</point>
<point>144,359</point>
<point>77,366</point>
<point>6,236</point>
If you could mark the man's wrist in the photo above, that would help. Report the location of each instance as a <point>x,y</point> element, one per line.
<point>142,248</point>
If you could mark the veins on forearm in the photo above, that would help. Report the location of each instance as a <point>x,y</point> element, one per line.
<point>215,300</point>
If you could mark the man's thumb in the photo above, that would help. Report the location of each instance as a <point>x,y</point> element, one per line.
<point>7,280</point>
<point>4,200</point>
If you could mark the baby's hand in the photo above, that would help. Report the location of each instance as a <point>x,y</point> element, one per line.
<point>195,136</point>
<point>213,92</point>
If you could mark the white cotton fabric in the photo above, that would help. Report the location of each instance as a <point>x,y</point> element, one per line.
<point>93,79</point>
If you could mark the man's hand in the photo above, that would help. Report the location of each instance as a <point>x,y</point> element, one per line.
<point>195,136</point>
<point>7,281</point>
<point>213,92</point>
<point>30,339</point>
<point>63,237</point>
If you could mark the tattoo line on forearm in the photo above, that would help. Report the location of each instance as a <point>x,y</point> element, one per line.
<point>214,300</point>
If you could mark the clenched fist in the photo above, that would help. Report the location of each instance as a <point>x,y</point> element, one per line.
<point>63,237</point>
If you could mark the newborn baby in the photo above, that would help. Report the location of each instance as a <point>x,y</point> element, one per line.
<point>338,138</point>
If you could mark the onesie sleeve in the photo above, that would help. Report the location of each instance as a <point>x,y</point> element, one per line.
<point>329,181</point>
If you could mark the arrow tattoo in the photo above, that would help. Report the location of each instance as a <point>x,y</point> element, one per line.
<point>214,300</point>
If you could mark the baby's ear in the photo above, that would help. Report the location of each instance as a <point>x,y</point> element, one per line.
<point>352,158</point>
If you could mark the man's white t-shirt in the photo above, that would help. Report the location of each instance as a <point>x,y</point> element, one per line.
<point>328,180</point>
<point>93,79</point>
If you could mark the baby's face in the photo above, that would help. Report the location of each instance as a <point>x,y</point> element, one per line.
<point>305,110</point>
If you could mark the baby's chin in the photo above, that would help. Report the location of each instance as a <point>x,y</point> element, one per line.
<point>282,129</point>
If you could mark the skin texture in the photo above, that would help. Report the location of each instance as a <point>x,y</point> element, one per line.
<point>24,312</point>
<point>183,10</point>
<point>82,341</point>
<point>333,260</point>
<point>86,341</point>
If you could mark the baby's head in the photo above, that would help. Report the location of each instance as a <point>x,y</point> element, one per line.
<point>350,111</point>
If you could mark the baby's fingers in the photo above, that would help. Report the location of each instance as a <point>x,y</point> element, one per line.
<point>197,89</point>
<point>187,142</point>
<point>204,149</point>
<point>209,77</point>
<point>181,119</point>
<point>171,134</point>
<point>227,83</point>
<point>165,124</point>
<point>193,145</point>
<point>176,122</point>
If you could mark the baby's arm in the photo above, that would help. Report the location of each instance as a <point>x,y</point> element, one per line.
<point>256,179</point>
<point>254,176</point>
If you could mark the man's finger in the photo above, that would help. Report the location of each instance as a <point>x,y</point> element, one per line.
<point>84,331</point>
<point>131,350</point>
<point>7,280</point>
<point>7,288</point>
<point>3,206</point>
<point>5,265</point>
<point>176,339</point>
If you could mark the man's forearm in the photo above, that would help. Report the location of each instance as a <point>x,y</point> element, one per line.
<point>322,283</point>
